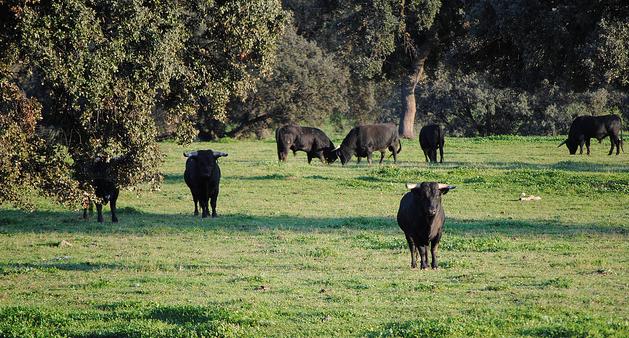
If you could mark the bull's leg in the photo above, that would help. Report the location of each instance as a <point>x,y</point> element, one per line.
<point>369,158</point>
<point>196,200</point>
<point>357,159</point>
<point>581,148</point>
<point>587,145</point>
<point>381,157</point>
<point>617,145</point>
<point>204,206</point>
<point>394,151</point>
<point>426,155</point>
<point>213,203</point>
<point>423,252</point>
<point>99,211</point>
<point>309,157</point>
<point>441,153</point>
<point>112,206</point>
<point>611,150</point>
<point>434,245</point>
<point>413,250</point>
<point>87,203</point>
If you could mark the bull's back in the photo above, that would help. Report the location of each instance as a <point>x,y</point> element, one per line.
<point>430,137</point>
<point>377,136</point>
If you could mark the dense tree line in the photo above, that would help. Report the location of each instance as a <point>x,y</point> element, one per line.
<point>86,78</point>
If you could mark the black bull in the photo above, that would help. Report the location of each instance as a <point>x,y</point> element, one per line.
<point>203,175</point>
<point>363,140</point>
<point>313,141</point>
<point>431,138</point>
<point>583,128</point>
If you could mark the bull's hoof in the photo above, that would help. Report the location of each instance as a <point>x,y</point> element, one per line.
<point>114,219</point>
<point>100,220</point>
<point>214,215</point>
<point>435,268</point>
<point>196,213</point>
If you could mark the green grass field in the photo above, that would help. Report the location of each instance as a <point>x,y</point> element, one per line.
<point>314,250</point>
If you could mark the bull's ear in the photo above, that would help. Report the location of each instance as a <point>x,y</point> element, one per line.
<point>562,143</point>
<point>218,154</point>
<point>190,154</point>
<point>411,185</point>
<point>444,188</point>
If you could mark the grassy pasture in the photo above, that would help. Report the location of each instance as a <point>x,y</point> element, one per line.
<point>314,250</point>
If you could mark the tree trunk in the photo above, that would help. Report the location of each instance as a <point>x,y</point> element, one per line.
<point>409,107</point>
<point>409,83</point>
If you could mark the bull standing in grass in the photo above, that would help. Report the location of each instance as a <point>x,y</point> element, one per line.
<point>421,217</point>
<point>584,128</point>
<point>105,188</point>
<point>203,175</point>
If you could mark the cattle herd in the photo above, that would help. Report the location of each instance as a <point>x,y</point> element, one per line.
<point>420,215</point>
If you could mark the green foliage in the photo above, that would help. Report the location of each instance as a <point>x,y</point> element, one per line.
<point>470,104</point>
<point>577,44</point>
<point>28,163</point>
<point>102,70</point>
<point>305,86</point>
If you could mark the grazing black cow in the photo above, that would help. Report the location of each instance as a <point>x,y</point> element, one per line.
<point>363,140</point>
<point>105,189</point>
<point>313,141</point>
<point>583,128</point>
<point>203,175</point>
<point>431,138</point>
<point>421,217</point>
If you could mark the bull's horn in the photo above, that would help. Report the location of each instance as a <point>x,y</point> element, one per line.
<point>190,154</point>
<point>445,186</point>
<point>562,143</point>
<point>219,153</point>
<point>411,185</point>
<point>337,148</point>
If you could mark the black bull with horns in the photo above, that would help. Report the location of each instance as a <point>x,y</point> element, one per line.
<point>583,128</point>
<point>203,175</point>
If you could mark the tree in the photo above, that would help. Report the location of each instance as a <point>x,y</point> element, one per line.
<point>305,86</point>
<point>100,68</point>
<point>28,163</point>
<point>384,39</point>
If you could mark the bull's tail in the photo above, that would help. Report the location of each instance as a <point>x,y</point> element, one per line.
<point>621,140</point>
<point>398,150</point>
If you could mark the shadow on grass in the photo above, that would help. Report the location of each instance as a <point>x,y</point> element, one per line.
<point>561,165</point>
<point>16,268</point>
<point>125,320</point>
<point>133,221</point>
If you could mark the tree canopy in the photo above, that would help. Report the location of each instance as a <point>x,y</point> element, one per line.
<point>99,68</point>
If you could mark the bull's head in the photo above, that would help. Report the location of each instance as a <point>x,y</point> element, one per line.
<point>342,155</point>
<point>429,195</point>
<point>206,160</point>
<point>330,154</point>
<point>571,144</point>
